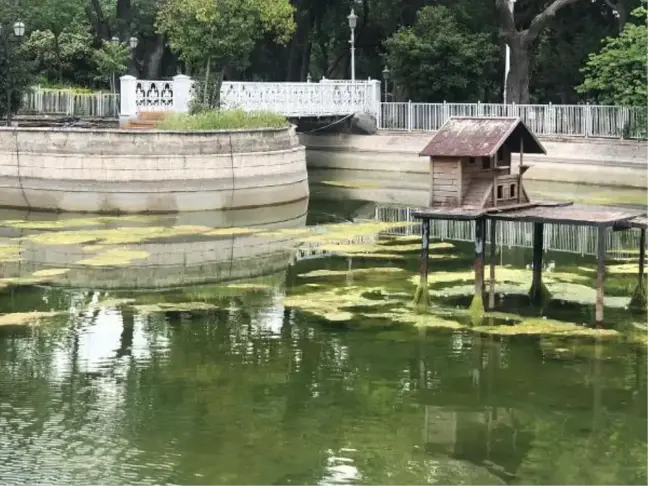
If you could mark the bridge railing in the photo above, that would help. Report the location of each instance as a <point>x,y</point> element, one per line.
<point>326,98</point>
<point>336,98</point>
<point>560,120</point>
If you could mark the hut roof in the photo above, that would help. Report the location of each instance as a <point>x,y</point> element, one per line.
<point>481,137</point>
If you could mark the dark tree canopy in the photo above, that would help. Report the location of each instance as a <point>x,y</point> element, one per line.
<point>435,49</point>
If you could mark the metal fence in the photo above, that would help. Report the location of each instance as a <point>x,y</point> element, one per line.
<point>44,101</point>
<point>557,120</point>
<point>552,120</point>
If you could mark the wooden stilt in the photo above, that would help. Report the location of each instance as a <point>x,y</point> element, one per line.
<point>642,256</point>
<point>600,274</point>
<point>477,306</point>
<point>491,262</point>
<point>421,296</point>
<point>638,302</point>
<point>425,251</point>
<point>536,284</point>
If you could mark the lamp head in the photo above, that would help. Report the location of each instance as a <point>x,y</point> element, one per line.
<point>19,29</point>
<point>353,19</point>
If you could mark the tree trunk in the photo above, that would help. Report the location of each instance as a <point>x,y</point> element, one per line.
<point>97,19</point>
<point>154,64</point>
<point>517,86</point>
<point>124,19</point>
<point>300,43</point>
<point>520,41</point>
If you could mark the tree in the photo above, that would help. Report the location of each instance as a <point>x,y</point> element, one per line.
<point>436,59</point>
<point>218,34</point>
<point>520,41</point>
<point>617,73</point>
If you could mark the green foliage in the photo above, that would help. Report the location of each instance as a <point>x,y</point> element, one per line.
<point>617,73</point>
<point>223,120</point>
<point>60,57</point>
<point>111,60</point>
<point>437,59</point>
<point>224,32</point>
<point>15,75</point>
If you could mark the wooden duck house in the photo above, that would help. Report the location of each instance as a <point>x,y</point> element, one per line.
<point>471,162</point>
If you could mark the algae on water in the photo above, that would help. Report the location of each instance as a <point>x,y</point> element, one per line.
<point>113,258</point>
<point>174,306</point>
<point>547,327</point>
<point>23,318</point>
<point>10,253</point>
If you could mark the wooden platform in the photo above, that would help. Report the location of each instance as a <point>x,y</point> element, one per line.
<point>545,212</point>
<point>604,219</point>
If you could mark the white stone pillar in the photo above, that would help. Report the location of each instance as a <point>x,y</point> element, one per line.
<point>128,99</point>
<point>375,101</point>
<point>181,93</point>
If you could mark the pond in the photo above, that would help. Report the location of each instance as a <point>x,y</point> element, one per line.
<point>279,346</point>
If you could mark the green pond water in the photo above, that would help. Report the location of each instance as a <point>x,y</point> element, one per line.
<point>279,346</point>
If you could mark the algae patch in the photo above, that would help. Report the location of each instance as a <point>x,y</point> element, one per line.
<point>547,327</point>
<point>174,307</point>
<point>50,272</point>
<point>10,253</point>
<point>357,272</point>
<point>24,318</point>
<point>336,305</point>
<point>115,257</point>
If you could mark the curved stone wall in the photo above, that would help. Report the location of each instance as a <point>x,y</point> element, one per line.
<point>620,163</point>
<point>132,171</point>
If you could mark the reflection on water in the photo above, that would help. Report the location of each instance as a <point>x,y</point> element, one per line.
<point>252,392</point>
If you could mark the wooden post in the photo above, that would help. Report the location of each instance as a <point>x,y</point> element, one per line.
<point>431,201</point>
<point>421,295</point>
<point>425,250</point>
<point>600,274</point>
<point>477,305</point>
<point>494,185</point>
<point>519,187</point>
<point>536,283</point>
<point>491,262</point>
<point>459,181</point>
<point>642,256</point>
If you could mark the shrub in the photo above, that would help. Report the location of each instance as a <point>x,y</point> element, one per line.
<point>223,120</point>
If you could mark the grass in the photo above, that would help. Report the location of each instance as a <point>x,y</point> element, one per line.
<point>223,120</point>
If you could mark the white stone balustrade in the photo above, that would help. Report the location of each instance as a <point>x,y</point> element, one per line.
<point>295,100</point>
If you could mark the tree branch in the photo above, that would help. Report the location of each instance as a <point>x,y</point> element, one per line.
<point>542,19</point>
<point>506,16</point>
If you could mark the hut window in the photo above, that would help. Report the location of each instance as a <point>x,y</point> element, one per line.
<point>485,163</point>
<point>471,160</point>
<point>500,192</point>
<point>512,190</point>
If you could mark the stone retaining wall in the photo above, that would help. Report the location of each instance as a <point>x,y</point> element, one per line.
<point>619,163</point>
<point>131,171</point>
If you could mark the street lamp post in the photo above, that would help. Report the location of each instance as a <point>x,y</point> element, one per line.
<point>18,32</point>
<point>113,82</point>
<point>353,21</point>
<point>385,73</point>
<point>507,62</point>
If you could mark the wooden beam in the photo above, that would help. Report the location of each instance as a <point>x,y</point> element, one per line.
<point>491,263</point>
<point>536,283</point>
<point>600,275</point>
